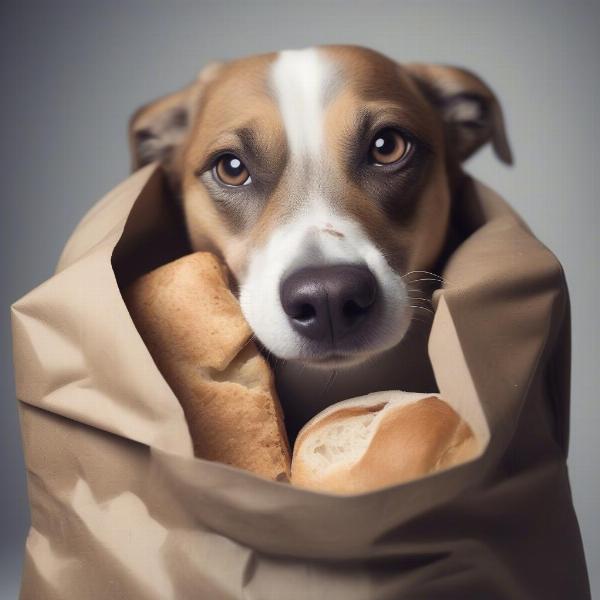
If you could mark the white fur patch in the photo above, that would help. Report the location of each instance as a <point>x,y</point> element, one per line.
<point>299,78</point>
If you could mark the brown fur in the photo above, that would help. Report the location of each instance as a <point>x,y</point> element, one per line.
<point>236,95</point>
<point>449,111</point>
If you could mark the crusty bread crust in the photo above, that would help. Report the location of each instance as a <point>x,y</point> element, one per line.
<point>412,435</point>
<point>195,331</point>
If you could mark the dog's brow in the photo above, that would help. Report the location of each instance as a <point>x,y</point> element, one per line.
<point>248,140</point>
<point>244,139</point>
<point>364,123</point>
<point>367,119</point>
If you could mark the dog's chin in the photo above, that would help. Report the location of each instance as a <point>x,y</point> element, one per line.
<point>333,359</point>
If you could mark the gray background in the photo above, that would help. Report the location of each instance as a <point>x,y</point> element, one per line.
<point>73,72</point>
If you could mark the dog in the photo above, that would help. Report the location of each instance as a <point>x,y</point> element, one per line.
<point>325,179</point>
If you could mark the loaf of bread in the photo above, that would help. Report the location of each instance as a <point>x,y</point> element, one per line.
<point>195,331</point>
<point>380,439</point>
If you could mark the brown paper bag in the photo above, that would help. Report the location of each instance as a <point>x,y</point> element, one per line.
<point>120,507</point>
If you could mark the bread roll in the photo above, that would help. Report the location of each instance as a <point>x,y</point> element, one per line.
<point>377,440</point>
<point>195,331</point>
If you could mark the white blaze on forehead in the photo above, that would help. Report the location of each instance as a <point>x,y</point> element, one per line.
<point>316,232</point>
<point>299,79</point>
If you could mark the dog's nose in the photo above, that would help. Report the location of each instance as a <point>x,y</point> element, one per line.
<point>328,302</point>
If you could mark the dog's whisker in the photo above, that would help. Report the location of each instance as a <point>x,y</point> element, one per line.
<point>418,291</point>
<point>427,279</point>
<point>423,308</point>
<point>252,338</point>
<point>426,272</point>
<point>328,384</point>
<point>274,360</point>
<point>434,277</point>
<point>430,277</point>
<point>424,295</point>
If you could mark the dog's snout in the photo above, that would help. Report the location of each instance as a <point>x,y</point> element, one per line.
<point>328,302</point>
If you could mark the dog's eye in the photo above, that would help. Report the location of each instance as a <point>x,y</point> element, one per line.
<point>230,170</point>
<point>388,146</point>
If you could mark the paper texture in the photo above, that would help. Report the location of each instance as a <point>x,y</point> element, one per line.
<point>121,508</point>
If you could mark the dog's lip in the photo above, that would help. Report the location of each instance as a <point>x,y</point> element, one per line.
<point>326,358</point>
<point>333,359</point>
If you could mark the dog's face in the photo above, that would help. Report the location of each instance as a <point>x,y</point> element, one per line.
<point>322,177</point>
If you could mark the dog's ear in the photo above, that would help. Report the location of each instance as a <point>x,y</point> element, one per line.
<point>158,129</point>
<point>469,109</point>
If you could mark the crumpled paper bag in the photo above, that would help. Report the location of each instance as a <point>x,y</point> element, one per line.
<point>121,508</point>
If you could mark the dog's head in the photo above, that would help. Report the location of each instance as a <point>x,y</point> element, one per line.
<point>321,176</point>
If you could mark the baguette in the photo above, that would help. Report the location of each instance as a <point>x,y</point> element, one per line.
<point>194,329</point>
